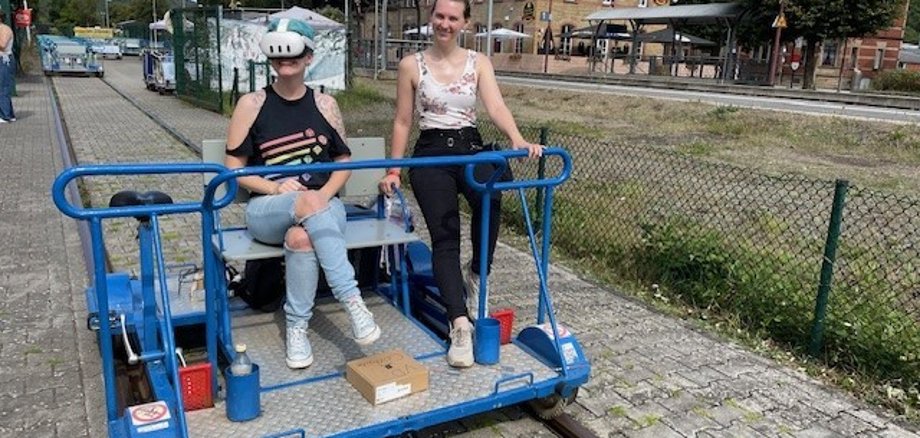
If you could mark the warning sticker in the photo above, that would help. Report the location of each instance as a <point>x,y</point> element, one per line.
<point>569,353</point>
<point>548,329</point>
<point>149,413</point>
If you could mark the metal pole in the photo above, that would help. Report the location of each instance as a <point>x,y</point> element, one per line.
<point>107,13</point>
<point>376,37</point>
<point>383,35</point>
<point>547,36</point>
<point>827,266</point>
<point>843,60</point>
<point>774,62</point>
<point>489,29</point>
<point>541,173</point>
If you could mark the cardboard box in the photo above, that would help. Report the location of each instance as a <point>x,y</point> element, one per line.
<point>387,376</point>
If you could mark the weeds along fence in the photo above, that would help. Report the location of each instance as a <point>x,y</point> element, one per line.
<point>827,268</point>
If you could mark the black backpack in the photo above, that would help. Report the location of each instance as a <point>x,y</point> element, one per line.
<point>262,284</point>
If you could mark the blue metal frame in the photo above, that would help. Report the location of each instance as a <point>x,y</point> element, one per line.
<point>156,333</point>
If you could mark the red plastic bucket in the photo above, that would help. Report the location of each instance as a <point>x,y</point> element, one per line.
<point>505,319</point>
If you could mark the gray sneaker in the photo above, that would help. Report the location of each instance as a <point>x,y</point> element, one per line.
<point>460,353</point>
<point>471,283</point>
<point>363,326</point>
<point>299,353</point>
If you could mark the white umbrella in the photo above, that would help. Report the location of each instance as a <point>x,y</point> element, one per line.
<point>424,30</point>
<point>504,34</point>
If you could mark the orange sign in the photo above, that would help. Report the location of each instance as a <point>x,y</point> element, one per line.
<point>23,18</point>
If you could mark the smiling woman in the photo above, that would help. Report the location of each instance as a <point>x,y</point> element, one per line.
<point>442,84</point>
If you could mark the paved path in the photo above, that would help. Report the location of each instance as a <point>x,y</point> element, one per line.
<point>50,384</point>
<point>652,375</point>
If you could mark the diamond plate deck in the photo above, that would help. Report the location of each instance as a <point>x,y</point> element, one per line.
<point>330,336</point>
<point>333,406</point>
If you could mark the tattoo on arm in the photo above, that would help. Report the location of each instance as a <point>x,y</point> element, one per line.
<point>330,110</point>
<point>258,98</point>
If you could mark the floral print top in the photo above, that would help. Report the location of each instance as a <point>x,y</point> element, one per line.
<point>446,106</point>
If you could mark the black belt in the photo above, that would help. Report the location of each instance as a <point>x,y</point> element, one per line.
<point>452,135</point>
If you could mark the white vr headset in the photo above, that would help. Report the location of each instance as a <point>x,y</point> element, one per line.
<point>284,43</point>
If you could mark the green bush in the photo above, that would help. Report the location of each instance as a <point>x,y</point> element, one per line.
<point>897,80</point>
<point>774,293</point>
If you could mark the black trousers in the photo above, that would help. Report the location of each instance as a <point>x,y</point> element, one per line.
<point>437,190</point>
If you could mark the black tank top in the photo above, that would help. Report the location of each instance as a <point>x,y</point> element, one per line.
<point>291,132</point>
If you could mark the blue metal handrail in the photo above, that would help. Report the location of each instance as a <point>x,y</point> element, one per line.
<point>62,180</point>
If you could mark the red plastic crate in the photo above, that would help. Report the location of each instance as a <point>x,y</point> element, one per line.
<point>196,386</point>
<point>505,319</point>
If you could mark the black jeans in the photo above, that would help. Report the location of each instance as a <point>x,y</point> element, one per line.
<point>436,189</point>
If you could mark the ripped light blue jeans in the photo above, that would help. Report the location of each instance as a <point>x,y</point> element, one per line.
<point>269,218</point>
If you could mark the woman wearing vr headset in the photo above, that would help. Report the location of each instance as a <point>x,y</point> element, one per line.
<point>287,123</point>
<point>442,84</point>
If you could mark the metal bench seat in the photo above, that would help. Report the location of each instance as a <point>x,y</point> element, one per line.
<point>364,233</point>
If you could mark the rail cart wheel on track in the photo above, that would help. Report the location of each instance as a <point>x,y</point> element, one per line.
<point>551,406</point>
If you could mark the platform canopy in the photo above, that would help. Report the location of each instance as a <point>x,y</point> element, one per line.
<point>607,32</point>
<point>669,36</point>
<point>686,14</point>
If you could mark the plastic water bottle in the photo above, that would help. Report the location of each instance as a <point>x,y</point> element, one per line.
<point>241,365</point>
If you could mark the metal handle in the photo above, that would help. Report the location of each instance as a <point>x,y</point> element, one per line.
<point>132,356</point>
<point>511,378</point>
<point>301,432</point>
<point>563,175</point>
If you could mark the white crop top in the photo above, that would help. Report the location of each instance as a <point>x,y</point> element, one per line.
<point>446,106</point>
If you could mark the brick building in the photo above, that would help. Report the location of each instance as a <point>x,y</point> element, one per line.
<point>869,56</point>
<point>519,15</point>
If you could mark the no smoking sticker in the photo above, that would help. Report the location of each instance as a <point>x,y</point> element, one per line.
<point>149,413</point>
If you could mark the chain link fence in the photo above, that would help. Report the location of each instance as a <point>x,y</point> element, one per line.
<point>748,247</point>
<point>196,47</point>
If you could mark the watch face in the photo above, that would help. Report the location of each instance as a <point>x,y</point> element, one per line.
<point>661,2</point>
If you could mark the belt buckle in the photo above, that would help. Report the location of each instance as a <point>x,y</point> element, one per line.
<point>450,142</point>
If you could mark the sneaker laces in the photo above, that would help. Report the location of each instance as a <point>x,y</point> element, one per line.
<point>457,337</point>
<point>297,337</point>
<point>360,316</point>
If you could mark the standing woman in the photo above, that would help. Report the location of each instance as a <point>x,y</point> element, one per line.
<point>7,71</point>
<point>286,123</point>
<point>442,84</point>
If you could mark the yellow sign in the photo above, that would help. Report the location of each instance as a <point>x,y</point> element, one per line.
<point>93,32</point>
<point>780,22</point>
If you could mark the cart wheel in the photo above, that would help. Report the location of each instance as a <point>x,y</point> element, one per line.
<point>551,406</point>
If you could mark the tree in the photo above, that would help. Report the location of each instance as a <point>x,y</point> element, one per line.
<point>815,21</point>
<point>912,29</point>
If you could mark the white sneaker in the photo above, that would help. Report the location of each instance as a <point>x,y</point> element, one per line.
<point>12,120</point>
<point>363,326</point>
<point>3,121</point>
<point>460,353</point>
<point>471,283</point>
<point>299,352</point>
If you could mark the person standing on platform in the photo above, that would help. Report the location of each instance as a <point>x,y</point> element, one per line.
<point>442,84</point>
<point>7,71</point>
